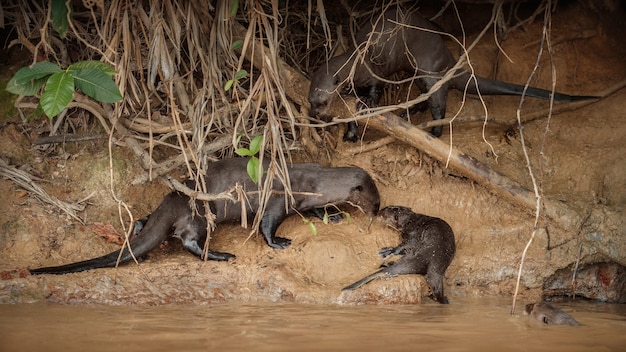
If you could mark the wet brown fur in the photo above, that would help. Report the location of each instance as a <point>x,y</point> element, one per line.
<point>427,247</point>
<point>549,314</point>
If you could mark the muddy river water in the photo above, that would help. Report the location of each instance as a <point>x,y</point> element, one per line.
<point>478,324</point>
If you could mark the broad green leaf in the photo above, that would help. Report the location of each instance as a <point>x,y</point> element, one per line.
<point>234,5</point>
<point>59,16</point>
<point>244,152</point>
<point>236,44</point>
<point>58,93</point>
<point>228,85</point>
<point>96,84</point>
<point>240,74</point>
<point>39,70</point>
<point>97,65</point>
<point>255,144</point>
<point>29,88</point>
<point>253,169</point>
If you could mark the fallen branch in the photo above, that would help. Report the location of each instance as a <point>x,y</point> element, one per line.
<point>472,168</point>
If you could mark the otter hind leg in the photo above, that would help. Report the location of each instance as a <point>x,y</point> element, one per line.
<point>193,247</point>
<point>272,218</point>
<point>436,102</point>
<point>435,281</point>
<point>192,233</point>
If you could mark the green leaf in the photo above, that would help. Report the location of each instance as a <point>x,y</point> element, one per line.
<point>59,16</point>
<point>228,84</point>
<point>236,44</point>
<point>240,74</point>
<point>97,65</point>
<point>346,216</point>
<point>325,218</point>
<point>234,5</point>
<point>244,152</point>
<point>312,228</point>
<point>29,88</point>
<point>255,144</point>
<point>58,93</point>
<point>39,70</point>
<point>96,84</point>
<point>311,225</point>
<point>253,169</point>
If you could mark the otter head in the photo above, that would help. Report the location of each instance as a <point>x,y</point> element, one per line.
<point>364,194</point>
<point>395,216</point>
<point>327,82</point>
<point>536,311</point>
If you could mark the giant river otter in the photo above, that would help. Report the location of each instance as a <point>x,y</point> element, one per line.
<point>549,314</point>
<point>411,47</point>
<point>427,248</point>
<point>313,186</point>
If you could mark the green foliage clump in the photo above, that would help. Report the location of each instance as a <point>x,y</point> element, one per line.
<point>253,163</point>
<point>93,78</point>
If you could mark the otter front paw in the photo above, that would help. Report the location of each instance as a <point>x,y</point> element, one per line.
<point>386,251</point>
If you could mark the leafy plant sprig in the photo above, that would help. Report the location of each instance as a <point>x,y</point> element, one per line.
<point>326,217</point>
<point>252,151</point>
<point>94,78</point>
<point>238,75</point>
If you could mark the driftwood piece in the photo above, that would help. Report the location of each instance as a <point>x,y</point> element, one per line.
<point>297,86</point>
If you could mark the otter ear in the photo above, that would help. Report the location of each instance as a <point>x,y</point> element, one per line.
<point>359,188</point>
<point>545,320</point>
<point>336,81</point>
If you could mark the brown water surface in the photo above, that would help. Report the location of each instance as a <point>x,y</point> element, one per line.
<point>466,324</point>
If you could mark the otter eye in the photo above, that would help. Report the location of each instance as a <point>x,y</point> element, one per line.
<point>336,81</point>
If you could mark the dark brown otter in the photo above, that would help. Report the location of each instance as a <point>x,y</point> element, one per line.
<point>549,314</point>
<point>427,248</point>
<point>414,47</point>
<point>313,186</point>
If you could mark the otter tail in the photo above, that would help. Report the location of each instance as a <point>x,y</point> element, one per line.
<point>105,261</point>
<point>149,237</point>
<point>371,277</point>
<point>491,87</point>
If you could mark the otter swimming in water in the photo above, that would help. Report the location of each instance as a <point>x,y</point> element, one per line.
<point>549,314</point>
